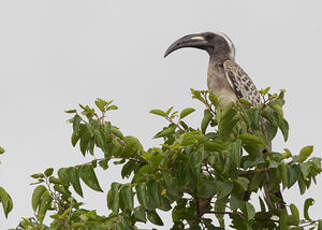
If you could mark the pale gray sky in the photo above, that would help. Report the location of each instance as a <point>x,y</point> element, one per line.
<point>56,54</point>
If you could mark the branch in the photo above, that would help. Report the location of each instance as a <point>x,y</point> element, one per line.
<point>176,124</point>
<point>220,213</point>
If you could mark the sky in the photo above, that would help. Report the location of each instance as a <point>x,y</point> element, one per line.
<point>57,54</point>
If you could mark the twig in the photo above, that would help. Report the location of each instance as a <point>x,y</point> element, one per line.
<point>209,105</point>
<point>53,194</point>
<point>172,122</point>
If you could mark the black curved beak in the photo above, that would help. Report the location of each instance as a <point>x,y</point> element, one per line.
<point>191,40</point>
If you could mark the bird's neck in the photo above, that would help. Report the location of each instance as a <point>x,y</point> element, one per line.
<point>217,81</point>
<point>218,59</point>
<point>216,71</point>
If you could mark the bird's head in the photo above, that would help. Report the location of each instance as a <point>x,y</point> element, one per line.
<point>216,44</point>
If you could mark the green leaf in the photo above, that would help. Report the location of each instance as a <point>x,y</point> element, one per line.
<point>236,202</point>
<point>100,104</point>
<point>44,205</point>
<point>284,127</point>
<point>197,95</point>
<point>283,171</point>
<point>100,140</point>
<point>6,201</point>
<point>186,112</point>
<point>271,130</point>
<point>220,206</point>
<point>116,131</point>
<point>320,225</point>
<point>132,146</point>
<point>207,188</point>
<point>249,210</point>
<point>305,168</point>
<point>54,180</point>
<point>37,175</point>
<point>141,194</point>
<point>302,185</point>
<point>254,119</point>
<point>73,176</point>
<point>76,122</point>
<point>165,204</point>
<point>113,201</point>
<point>245,102</point>
<point>154,193</point>
<point>48,172</point>
<point>191,138</point>
<point>74,139</point>
<point>126,195</point>
<point>158,112</point>
<point>295,214</point>
<point>1,150</point>
<point>84,140</point>
<point>228,120</point>
<point>154,218</point>
<point>169,110</point>
<point>287,153</point>
<point>271,122</point>
<point>216,146</point>
<point>235,154</point>
<point>292,176</point>
<point>115,148</point>
<point>262,204</point>
<point>283,220</point>
<point>277,107</point>
<point>252,143</point>
<point>103,163</point>
<point>88,175</point>
<point>225,188</point>
<point>264,91</point>
<point>305,153</point>
<point>63,176</point>
<point>316,162</point>
<point>214,99</point>
<point>308,203</point>
<point>256,181</point>
<point>112,107</point>
<point>139,214</point>
<point>128,168</point>
<point>207,116</point>
<point>165,132</point>
<point>249,139</point>
<point>242,182</point>
<point>70,111</point>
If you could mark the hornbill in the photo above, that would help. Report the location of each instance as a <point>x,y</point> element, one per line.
<point>226,78</point>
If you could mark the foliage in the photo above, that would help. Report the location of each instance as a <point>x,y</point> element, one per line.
<point>210,170</point>
<point>5,198</point>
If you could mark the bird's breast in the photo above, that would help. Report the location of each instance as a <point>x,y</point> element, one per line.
<point>218,83</point>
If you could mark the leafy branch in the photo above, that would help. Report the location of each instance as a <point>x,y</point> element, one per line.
<point>212,169</point>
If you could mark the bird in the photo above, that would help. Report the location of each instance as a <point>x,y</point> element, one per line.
<point>226,78</point>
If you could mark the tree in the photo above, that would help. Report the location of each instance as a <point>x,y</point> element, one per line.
<point>198,174</point>
<point>5,198</point>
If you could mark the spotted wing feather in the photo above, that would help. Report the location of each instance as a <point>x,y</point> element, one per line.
<point>241,83</point>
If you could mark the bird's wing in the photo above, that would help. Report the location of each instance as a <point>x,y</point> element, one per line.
<point>241,83</point>
<point>244,87</point>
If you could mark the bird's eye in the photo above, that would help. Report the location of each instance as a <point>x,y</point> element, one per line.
<point>209,36</point>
